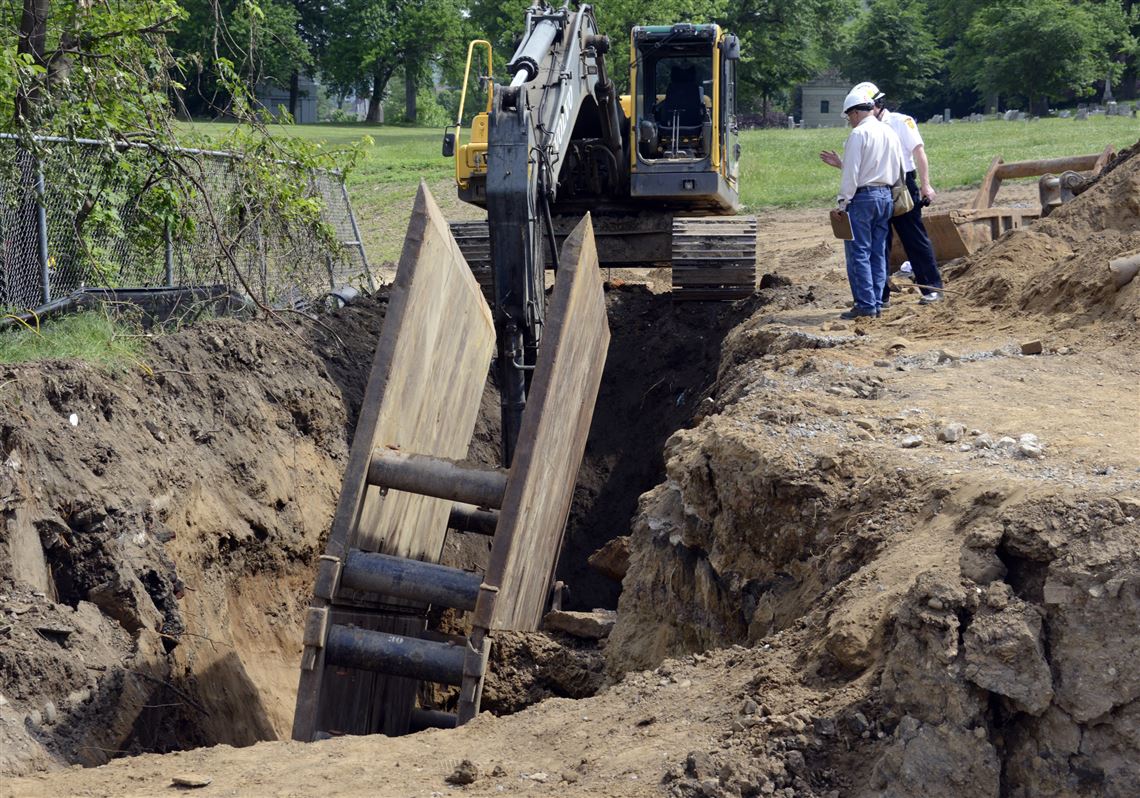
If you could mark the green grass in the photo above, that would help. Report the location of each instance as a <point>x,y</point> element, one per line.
<point>779,168</point>
<point>93,337</point>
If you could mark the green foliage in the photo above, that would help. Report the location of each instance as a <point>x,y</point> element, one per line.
<point>369,40</point>
<point>1043,49</point>
<point>92,336</point>
<point>892,46</point>
<point>783,42</point>
<point>104,71</point>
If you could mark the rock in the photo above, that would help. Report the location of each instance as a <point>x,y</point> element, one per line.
<point>750,707</point>
<point>937,760</point>
<point>982,565</point>
<point>35,719</point>
<point>499,771</point>
<point>1005,655</point>
<point>911,442</point>
<point>612,559</point>
<point>466,772</point>
<point>190,780</point>
<point>50,714</point>
<point>540,777</point>
<point>1005,443</point>
<point>1032,348</point>
<point>570,777</point>
<point>952,433</point>
<point>699,765</point>
<point>883,364</point>
<point>858,723</point>
<point>1030,451</point>
<point>868,424</point>
<point>586,625</point>
<point>948,355</point>
<point>898,343</point>
<point>984,441</point>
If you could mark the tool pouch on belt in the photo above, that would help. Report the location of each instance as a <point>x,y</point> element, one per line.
<point>904,202</point>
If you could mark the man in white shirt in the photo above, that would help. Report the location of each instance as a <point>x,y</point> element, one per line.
<point>872,160</point>
<point>909,226</point>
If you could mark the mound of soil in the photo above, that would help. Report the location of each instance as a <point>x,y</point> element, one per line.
<point>1057,267</point>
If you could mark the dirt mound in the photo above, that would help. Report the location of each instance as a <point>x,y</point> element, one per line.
<point>160,527</point>
<point>1057,267</point>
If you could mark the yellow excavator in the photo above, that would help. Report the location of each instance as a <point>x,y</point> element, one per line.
<point>657,169</point>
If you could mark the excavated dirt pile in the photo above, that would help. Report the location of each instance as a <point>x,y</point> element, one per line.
<point>954,621</point>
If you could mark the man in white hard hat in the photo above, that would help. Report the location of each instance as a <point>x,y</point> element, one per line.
<point>872,160</point>
<point>912,232</point>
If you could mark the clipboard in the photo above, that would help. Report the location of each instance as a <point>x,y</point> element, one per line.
<point>841,225</point>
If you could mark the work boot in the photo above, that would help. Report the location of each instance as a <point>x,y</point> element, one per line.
<point>859,313</point>
<point>931,298</point>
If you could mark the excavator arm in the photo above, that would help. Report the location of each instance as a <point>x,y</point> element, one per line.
<point>558,71</point>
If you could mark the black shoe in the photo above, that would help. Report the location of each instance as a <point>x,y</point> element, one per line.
<point>855,313</point>
<point>931,298</point>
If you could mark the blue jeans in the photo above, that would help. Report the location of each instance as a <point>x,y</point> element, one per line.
<point>870,214</point>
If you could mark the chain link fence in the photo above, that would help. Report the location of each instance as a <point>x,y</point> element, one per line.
<point>74,215</point>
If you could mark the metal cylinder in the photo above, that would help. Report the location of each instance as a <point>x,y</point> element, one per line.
<point>438,477</point>
<point>410,579</point>
<point>431,719</point>
<point>352,647</point>
<point>534,48</point>
<point>469,518</point>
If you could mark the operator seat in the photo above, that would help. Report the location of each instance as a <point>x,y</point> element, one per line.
<point>683,103</point>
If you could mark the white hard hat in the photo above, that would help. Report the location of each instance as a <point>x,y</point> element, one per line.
<point>871,89</point>
<point>856,98</point>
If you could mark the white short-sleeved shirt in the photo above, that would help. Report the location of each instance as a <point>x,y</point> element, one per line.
<point>907,130</point>
<point>871,157</point>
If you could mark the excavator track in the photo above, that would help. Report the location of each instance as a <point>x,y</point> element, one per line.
<point>714,258</point>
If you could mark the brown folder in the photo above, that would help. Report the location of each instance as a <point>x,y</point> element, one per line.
<point>841,225</point>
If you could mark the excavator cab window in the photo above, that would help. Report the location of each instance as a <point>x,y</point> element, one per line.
<point>676,99</point>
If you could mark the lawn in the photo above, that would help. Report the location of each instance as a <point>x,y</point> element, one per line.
<point>780,168</point>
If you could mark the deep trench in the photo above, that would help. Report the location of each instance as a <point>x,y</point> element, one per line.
<point>662,361</point>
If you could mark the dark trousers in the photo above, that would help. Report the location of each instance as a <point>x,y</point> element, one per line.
<point>915,242</point>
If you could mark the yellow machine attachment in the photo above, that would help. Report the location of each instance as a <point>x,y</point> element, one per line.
<point>471,158</point>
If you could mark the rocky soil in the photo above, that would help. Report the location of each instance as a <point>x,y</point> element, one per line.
<point>889,558</point>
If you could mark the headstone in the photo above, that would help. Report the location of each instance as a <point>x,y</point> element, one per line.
<point>1065,114</point>
<point>1082,114</point>
<point>945,114</point>
<point>1010,116</point>
<point>1112,108</point>
<point>791,123</point>
<point>1020,116</point>
<point>1108,88</point>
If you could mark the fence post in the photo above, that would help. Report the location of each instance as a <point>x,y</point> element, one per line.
<point>41,228</point>
<point>169,242</point>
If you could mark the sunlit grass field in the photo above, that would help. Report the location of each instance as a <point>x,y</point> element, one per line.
<point>780,168</point>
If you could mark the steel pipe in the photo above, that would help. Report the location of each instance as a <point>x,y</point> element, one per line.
<point>469,518</point>
<point>395,655</point>
<point>410,579</point>
<point>438,477</point>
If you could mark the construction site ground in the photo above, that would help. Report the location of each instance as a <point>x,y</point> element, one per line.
<point>841,580</point>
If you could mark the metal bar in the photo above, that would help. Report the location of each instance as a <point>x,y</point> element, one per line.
<point>168,240</point>
<point>356,235</point>
<point>395,655</point>
<point>469,518</point>
<point>1075,163</point>
<point>41,229</point>
<point>410,579</point>
<point>438,477</point>
<point>423,719</point>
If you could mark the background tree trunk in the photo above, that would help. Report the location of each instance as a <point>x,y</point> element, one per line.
<point>410,95</point>
<point>294,93</point>
<point>33,39</point>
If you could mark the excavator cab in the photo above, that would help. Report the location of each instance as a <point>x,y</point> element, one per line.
<point>684,117</point>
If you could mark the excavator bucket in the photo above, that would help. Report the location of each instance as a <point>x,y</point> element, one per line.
<point>367,641</point>
<point>959,232</point>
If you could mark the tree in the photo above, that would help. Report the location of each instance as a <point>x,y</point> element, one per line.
<point>369,40</point>
<point>1045,49</point>
<point>892,46</point>
<point>783,42</point>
